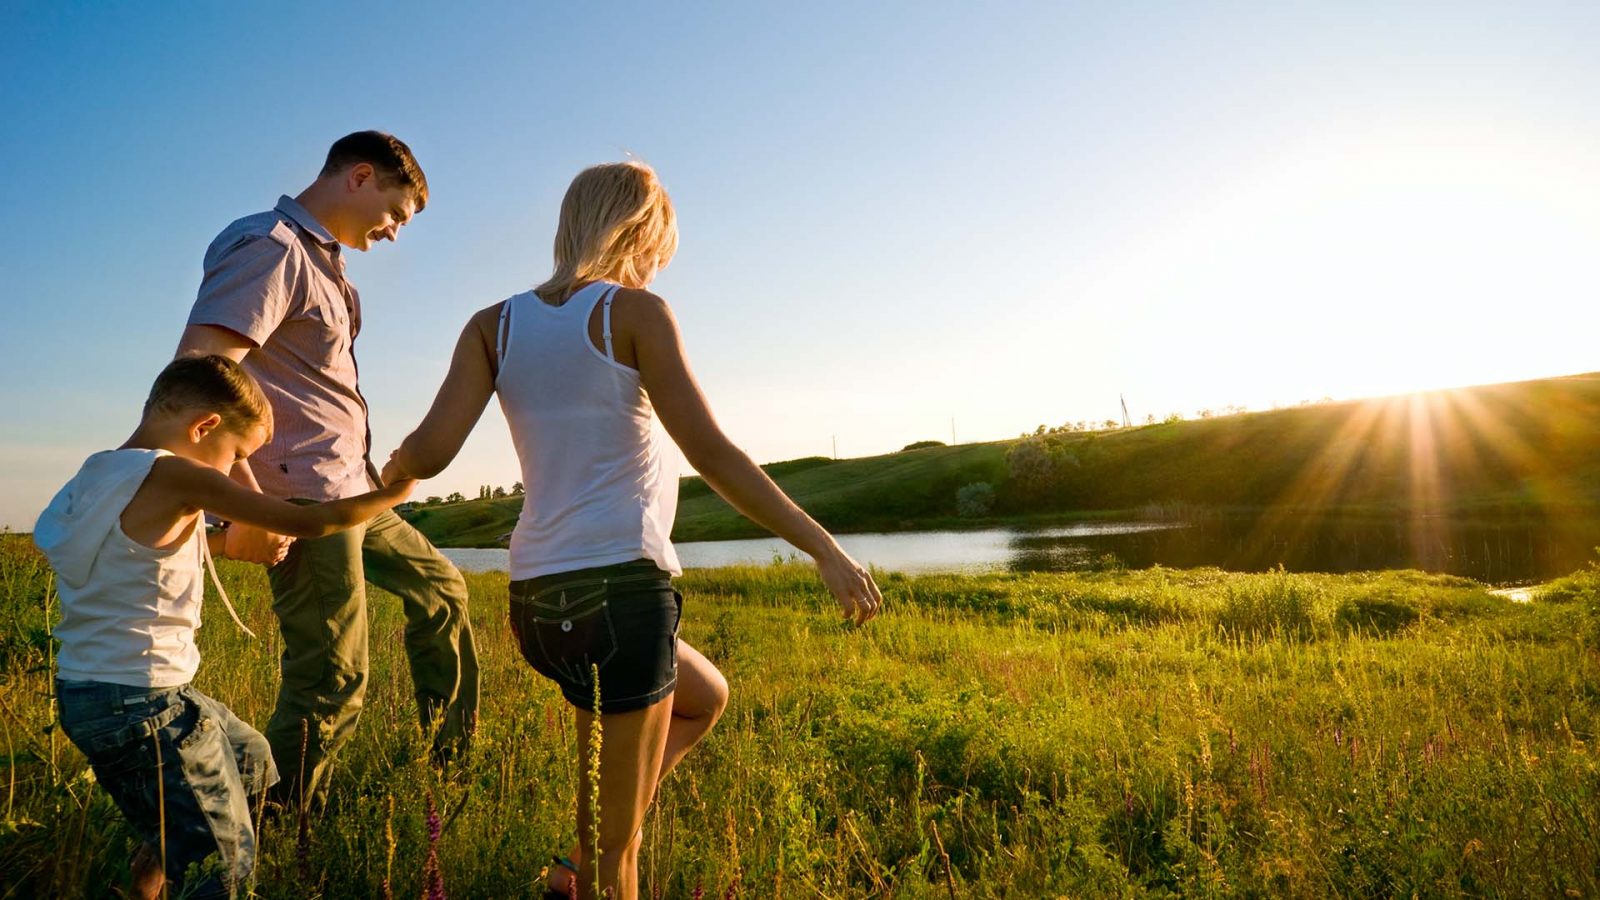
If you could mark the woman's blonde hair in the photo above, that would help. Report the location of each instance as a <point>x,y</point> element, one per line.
<point>617,224</point>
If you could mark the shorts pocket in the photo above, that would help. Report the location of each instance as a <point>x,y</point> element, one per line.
<point>566,643</point>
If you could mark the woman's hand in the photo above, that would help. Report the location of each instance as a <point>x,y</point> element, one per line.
<point>851,585</point>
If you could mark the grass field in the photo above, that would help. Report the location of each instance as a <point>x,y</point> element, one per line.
<point>1112,734</point>
<point>1525,451</point>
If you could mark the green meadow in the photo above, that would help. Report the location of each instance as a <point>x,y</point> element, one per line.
<point>1109,734</point>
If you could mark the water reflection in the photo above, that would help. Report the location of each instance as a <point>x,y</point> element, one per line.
<point>1504,552</point>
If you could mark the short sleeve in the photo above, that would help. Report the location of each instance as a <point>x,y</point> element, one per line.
<point>246,288</point>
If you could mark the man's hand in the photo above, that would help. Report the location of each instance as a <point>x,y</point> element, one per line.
<point>250,544</point>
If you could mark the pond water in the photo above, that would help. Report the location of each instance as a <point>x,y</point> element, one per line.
<point>1505,553</point>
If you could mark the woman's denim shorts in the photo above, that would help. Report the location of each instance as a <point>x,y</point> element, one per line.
<point>620,620</point>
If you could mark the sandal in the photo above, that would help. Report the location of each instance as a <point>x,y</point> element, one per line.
<point>564,863</point>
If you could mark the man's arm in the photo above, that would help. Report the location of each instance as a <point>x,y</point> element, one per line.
<point>208,340</point>
<point>243,542</point>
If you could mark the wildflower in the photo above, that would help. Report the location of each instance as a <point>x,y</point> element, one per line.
<point>432,877</point>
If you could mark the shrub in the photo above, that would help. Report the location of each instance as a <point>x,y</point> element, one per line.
<point>922,445</point>
<point>975,499</point>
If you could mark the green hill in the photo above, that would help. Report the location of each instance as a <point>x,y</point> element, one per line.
<point>1524,449</point>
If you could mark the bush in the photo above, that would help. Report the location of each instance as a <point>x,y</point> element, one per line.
<point>922,445</point>
<point>975,500</point>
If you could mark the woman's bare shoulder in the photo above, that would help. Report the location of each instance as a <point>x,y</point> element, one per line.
<point>641,305</point>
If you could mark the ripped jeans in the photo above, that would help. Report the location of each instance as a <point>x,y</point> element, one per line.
<point>182,769</point>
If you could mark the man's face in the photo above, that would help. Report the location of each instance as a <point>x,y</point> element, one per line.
<point>374,212</point>
<point>381,216</point>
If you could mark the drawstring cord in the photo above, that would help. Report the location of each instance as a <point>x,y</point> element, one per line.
<point>211,569</point>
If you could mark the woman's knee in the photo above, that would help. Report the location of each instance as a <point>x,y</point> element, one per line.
<point>702,690</point>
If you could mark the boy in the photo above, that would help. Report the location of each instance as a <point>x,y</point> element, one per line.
<point>127,540</point>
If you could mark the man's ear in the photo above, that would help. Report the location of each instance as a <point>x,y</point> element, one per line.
<point>359,174</point>
<point>203,426</point>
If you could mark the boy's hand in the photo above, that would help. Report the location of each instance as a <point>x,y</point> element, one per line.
<point>398,490</point>
<point>247,543</point>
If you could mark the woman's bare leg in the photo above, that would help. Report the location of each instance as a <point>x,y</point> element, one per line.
<point>697,703</point>
<point>630,765</point>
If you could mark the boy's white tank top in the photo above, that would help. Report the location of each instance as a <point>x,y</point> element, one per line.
<point>131,619</point>
<point>600,475</point>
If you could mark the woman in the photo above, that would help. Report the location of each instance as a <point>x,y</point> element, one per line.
<point>583,364</point>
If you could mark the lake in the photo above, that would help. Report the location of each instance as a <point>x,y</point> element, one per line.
<point>1504,553</point>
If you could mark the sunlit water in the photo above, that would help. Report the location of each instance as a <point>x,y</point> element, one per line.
<point>990,550</point>
<point>1507,553</point>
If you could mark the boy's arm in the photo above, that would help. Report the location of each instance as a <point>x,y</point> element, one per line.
<point>460,402</point>
<point>202,487</point>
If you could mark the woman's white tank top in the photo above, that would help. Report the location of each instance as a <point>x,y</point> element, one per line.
<point>600,475</point>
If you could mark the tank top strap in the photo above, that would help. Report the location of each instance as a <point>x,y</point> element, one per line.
<point>605,299</point>
<point>502,336</point>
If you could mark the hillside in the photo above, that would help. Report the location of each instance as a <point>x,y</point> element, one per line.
<point>1525,449</point>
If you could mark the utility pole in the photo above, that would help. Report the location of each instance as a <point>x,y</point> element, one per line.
<point>836,446</point>
<point>1126,422</point>
<point>952,431</point>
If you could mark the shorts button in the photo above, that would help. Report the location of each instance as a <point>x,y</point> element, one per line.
<point>567,625</point>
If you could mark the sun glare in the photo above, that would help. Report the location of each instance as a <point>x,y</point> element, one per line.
<point>1370,264</point>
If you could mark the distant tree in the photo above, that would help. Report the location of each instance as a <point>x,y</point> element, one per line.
<point>1172,419</point>
<point>455,497</point>
<point>483,492</point>
<point>921,445</point>
<point>1111,424</point>
<point>974,500</point>
<point>433,501</point>
<point>516,489</point>
<point>499,493</point>
<point>1150,419</point>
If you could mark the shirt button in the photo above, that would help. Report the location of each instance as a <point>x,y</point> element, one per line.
<point>567,625</point>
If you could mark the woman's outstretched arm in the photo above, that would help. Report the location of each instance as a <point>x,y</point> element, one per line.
<point>456,408</point>
<point>646,321</point>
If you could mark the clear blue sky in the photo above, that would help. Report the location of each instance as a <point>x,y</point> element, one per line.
<point>892,215</point>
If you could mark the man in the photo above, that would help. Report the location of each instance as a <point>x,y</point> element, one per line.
<point>275,297</point>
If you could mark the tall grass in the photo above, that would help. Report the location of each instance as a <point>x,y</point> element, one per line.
<point>1101,735</point>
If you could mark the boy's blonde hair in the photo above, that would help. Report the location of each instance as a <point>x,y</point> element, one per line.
<point>215,384</point>
<point>617,224</point>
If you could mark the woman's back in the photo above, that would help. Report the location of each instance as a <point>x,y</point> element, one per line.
<point>600,477</point>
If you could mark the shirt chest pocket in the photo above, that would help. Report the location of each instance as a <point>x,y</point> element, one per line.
<point>325,329</point>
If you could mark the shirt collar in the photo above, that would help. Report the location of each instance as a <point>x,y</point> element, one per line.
<point>292,208</point>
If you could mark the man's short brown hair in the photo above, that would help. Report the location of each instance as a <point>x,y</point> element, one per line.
<point>387,154</point>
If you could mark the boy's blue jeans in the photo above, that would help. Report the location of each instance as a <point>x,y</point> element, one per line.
<point>177,751</point>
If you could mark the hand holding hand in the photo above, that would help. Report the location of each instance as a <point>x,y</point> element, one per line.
<point>250,544</point>
<point>393,471</point>
<point>851,585</point>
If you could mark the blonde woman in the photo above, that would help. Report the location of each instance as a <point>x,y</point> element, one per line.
<point>584,364</point>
